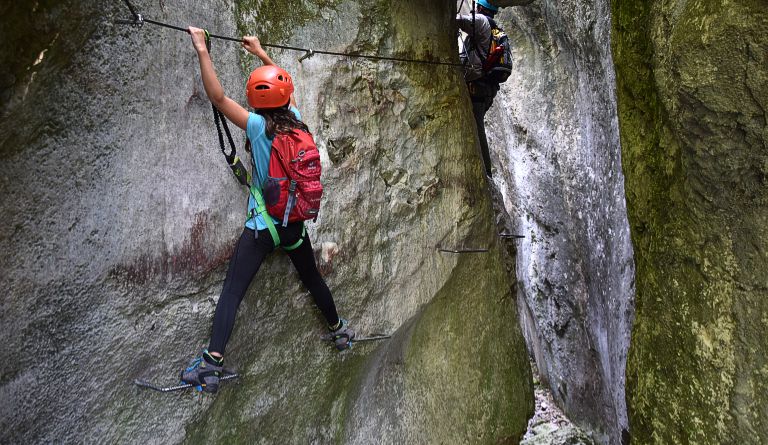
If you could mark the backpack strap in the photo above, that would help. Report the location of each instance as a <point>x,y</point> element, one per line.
<point>291,189</point>
<point>473,37</point>
<point>261,209</point>
<point>493,26</point>
<point>291,202</point>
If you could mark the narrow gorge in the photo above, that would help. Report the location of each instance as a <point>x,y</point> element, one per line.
<point>630,153</point>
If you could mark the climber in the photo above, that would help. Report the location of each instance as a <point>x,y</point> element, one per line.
<point>474,53</point>
<point>270,92</point>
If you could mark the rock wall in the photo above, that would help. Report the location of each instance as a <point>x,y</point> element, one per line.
<point>554,137</point>
<point>693,94</point>
<point>120,217</point>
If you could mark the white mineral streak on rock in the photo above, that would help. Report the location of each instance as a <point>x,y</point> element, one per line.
<point>555,142</point>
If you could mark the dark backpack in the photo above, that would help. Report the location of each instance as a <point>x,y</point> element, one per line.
<point>293,190</point>
<point>497,67</point>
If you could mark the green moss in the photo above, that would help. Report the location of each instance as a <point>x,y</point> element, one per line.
<point>275,21</point>
<point>466,347</point>
<point>693,199</point>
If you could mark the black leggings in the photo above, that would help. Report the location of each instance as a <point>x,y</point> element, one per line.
<point>482,94</point>
<point>249,254</point>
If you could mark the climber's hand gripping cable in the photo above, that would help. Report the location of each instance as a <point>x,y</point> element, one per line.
<point>201,40</point>
<point>235,112</point>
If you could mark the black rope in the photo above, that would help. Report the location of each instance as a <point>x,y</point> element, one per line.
<point>363,56</point>
<point>235,164</point>
<point>133,11</point>
<point>221,121</point>
<point>465,62</point>
<point>179,28</point>
<point>474,36</point>
<point>138,20</point>
<point>474,40</point>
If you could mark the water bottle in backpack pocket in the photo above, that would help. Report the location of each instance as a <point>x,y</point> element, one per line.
<point>271,190</point>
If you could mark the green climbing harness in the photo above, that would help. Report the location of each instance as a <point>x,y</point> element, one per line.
<point>261,210</point>
<point>244,177</point>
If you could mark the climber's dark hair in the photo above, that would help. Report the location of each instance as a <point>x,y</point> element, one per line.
<point>281,120</point>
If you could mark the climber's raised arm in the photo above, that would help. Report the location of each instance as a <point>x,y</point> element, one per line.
<point>253,46</point>
<point>231,109</point>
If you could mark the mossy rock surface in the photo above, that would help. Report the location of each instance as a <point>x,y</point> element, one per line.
<point>692,94</point>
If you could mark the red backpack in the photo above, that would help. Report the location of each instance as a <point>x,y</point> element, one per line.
<point>293,190</point>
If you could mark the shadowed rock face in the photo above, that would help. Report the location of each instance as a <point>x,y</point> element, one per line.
<point>554,136</point>
<point>120,215</point>
<point>693,94</point>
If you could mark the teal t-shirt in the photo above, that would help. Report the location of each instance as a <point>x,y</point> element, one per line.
<point>261,149</point>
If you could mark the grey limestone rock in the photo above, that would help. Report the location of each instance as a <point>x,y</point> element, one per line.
<point>554,136</point>
<point>120,215</point>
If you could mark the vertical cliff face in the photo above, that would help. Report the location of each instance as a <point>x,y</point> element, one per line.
<point>121,215</point>
<point>554,136</point>
<point>693,91</point>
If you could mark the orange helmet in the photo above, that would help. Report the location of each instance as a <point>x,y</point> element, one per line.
<point>269,87</point>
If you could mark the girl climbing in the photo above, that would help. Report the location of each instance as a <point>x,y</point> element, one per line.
<point>270,93</point>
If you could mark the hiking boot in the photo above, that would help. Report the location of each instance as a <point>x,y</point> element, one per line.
<point>204,372</point>
<point>343,336</point>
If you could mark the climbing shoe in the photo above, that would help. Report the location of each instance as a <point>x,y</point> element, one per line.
<point>204,372</point>
<point>342,336</point>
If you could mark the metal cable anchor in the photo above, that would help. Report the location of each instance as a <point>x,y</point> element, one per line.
<point>307,55</point>
<point>137,22</point>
